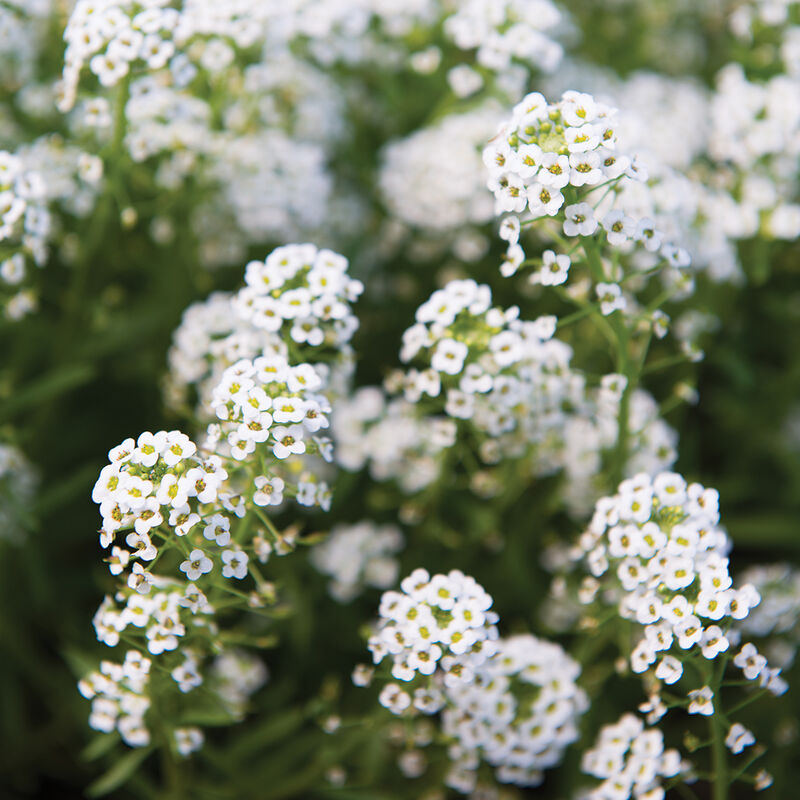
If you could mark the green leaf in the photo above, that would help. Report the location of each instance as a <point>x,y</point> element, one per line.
<point>120,772</point>
<point>53,384</point>
<point>63,491</point>
<point>277,727</point>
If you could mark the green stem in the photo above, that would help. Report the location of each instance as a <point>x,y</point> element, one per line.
<point>664,363</point>
<point>719,757</point>
<point>719,761</point>
<point>593,259</point>
<point>268,522</point>
<point>570,318</point>
<point>757,696</point>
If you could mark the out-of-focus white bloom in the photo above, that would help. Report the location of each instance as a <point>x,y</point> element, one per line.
<point>630,760</point>
<point>357,556</point>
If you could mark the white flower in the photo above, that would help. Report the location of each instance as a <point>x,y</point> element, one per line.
<point>750,661</point>
<point>394,698</point>
<point>669,669</point>
<point>544,200</point>
<point>269,491</point>
<point>738,738</point>
<point>449,356</point>
<point>511,195</point>
<point>647,234</point>
<point>554,171</point>
<point>713,642</point>
<point>702,701</point>
<point>188,740</point>
<point>585,169</point>
<point>619,227</point>
<point>288,441</point>
<point>555,268</point>
<point>611,297</point>
<point>196,565</point>
<point>580,220</point>
<point>217,529</point>
<point>234,564</point>
<point>510,229</point>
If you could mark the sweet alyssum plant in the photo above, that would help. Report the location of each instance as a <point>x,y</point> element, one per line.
<point>197,531</point>
<point>408,515</point>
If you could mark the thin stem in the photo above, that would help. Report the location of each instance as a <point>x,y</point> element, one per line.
<point>664,363</point>
<point>268,522</point>
<point>757,696</point>
<point>570,318</point>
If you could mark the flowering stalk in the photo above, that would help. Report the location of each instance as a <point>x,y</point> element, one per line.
<point>550,161</point>
<point>656,549</point>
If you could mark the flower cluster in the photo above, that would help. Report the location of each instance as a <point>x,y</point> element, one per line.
<point>267,402</point>
<point>74,176</point>
<point>631,761</point>
<point>754,128</point>
<point>776,617</point>
<point>548,160</point>
<point>209,339</point>
<point>119,698</point>
<point>122,694</point>
<point>658,545</point>
<point>507,31</point>
<point>24,37</point>
<point>519,714</point>
<point>514,383</point>
<point>298,299</point>
<point>509,377</point>
<point>545,150</point>
<point>112,35</point>
<point>440,624</point>
<point>659,542</point>
<point>156,480</point>
<point>24,228</point>
<point>160,616</point>
<point>302,292</point>
<point>433,180</point>
<point>275,187</point>
<point>356,556</point>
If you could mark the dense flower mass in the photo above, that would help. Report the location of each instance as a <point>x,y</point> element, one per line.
<point>391,438</point>
<point>777,616</point>
<point>631,761</point>
<point>513,382</point>
<point>268,402</point>
<point>519,714</point>
<point>447,156</point>
<point>660,543</point>
<point>320,194</point>
<point>657,546</point>
<point>544,150</point>
<point>298,300</point>
<point>440,624</point>
<point>156,479</point>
